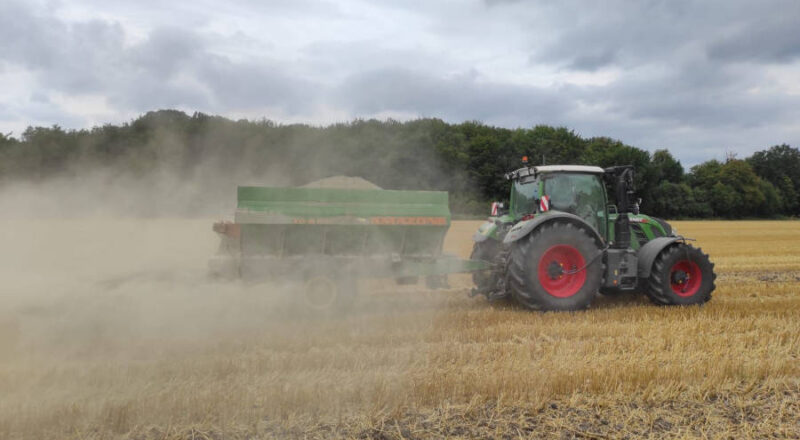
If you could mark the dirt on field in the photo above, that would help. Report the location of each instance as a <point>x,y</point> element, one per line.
<point>109,328</point>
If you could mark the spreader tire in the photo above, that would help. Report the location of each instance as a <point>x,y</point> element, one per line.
<point>323,295</point>
<point>681,275</point>
<point>557,267</point>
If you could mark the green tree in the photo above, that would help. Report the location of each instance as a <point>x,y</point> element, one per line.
<point>558,145</point>
<point>666,168</point>
<point>705,175</point>
<point>725,201</point>
<point>466,159</point>
<point>671,200</point>
<point>791,204</point>
<point>773,203</point>
<point>738,175</point>
<point>777,164</point>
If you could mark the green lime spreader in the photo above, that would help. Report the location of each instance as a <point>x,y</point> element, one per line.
<point>326,238</point>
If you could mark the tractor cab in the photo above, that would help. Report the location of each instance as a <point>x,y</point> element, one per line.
<point>543,190</point>
<point>574,189</point>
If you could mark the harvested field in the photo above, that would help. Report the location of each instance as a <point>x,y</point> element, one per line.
<point>109,329</point>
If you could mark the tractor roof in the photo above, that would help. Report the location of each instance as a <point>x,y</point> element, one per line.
<point>568,169</point>
<point>532,171</point>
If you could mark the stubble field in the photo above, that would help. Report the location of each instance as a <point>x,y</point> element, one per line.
<point>109,329</point>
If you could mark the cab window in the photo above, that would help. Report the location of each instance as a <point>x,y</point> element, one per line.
<point>579,194</point>
<point>525,196</point>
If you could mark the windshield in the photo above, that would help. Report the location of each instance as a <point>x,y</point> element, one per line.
<point>524,197</point>
<point>579,194</point>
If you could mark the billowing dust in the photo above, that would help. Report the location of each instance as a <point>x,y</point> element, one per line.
<point>79,278</point>
<point>109,320</point>
<point>92,283</point>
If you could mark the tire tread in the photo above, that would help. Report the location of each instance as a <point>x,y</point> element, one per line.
<point>656,290</point>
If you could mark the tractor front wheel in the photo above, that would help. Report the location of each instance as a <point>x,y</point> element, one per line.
<point>681,275</point>
<point>556,267</point>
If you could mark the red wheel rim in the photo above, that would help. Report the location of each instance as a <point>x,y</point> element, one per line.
<point>554,268</point>
<point>685,278</point>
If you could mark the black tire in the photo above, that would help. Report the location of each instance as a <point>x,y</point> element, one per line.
<point>487,251</point>
<point>674,276</point>
<point>322,295</point>
<point>549,293</point>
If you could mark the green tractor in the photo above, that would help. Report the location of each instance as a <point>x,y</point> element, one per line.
<point>559,242</point>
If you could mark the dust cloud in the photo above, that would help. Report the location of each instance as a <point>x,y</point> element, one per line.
<point>110,265</point>
<point>102,264</point>
<point>99,285</point>
<point>109,319</point>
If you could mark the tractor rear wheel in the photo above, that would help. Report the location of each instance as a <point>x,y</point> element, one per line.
<point>556,267</point>
<point>681,275</point>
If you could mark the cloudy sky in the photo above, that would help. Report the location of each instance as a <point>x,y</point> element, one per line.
<point>701,78</point>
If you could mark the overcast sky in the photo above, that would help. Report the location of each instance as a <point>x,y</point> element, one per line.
<point>701,78</point>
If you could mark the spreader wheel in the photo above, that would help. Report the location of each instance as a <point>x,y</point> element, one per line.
<point>681,275</point>
<point>557,267</point>
<point>325,295</point>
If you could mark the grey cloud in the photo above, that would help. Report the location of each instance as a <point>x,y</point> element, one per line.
<point>39,97</point>
<point>591,36</point>
<point>677,66</point>
<point>69,58</point>
<point>257,85</point>
<point>595,35</point>
<point>38,112</point>
<point>88,57</point>
<point>774,40</point>
<point>173,67</point>
<point>457,97</point>
<point>339,59</point>
<point>75,58</point>
<point>593,61</point>
<point>500,2</point>
<point>694,96</point>
<point>167,50</point>
<point>154,72</point>
<point>149,93</point>
<point>24,37</point>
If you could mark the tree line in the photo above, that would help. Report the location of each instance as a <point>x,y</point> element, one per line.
<point>467,159</point>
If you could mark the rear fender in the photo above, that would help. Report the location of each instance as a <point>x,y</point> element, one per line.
<point>524,228</point>
<point>648,253</point>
